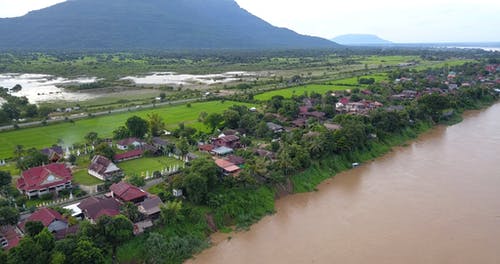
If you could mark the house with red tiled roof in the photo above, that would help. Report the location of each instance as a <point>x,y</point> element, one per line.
<point>50,218</point>
<point>130,155</point>
<point>95,207</point>
<point>44,179</point>
<point>9,237</point>
<point>126,192</point>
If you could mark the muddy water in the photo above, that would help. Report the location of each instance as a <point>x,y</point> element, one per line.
<point>435,201</point>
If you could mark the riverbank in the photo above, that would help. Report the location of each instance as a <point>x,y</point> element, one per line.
<point>422,203</point>
<point>329,167</point>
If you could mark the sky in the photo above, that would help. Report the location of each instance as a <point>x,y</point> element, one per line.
<point>397,21</point>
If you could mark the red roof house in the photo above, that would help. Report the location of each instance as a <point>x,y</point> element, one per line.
<point>50,218</point>
<point>230,141</point>
<point>9,237</point>
<point>133,154</point>
<point>227,167</point>
<point>44,179</point>
<point>127,192</point>
<point>95,207</point>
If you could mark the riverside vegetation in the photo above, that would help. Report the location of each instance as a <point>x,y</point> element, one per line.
<point>399,106</point>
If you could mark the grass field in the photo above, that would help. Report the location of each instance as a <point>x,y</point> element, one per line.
<point>299,90</point>
<point>141,166</point>
<point>82,177</point>
<point>70,133</point>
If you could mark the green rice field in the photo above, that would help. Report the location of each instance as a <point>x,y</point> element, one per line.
<point>70,133</point>
<point>299,90</point>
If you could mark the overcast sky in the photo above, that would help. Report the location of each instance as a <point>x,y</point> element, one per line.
<point>398,21</point>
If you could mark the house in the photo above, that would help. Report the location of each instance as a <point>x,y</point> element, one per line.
<point>190,157</point>
<point>159,143</point>
<point>355,107</point>
<point>127,192</point>
<point>50,218</point>
<point>95,207</point>
<point>140,227</point>
<point>54,153</point>
<point>227,167</point>
<point>44,179</point>
<point>103,169</point>
<point>222,151</point>
<point>206,147</point>
<point>299,122</point>
<point>230,141</point>
<point>9,237</point>
<point>275,128</point>
<point>130,155</point>
<point>332,127</point>
<point>151,207</point>
<point>126,143</point>
<point>265,153</point>
<point>236,160</point>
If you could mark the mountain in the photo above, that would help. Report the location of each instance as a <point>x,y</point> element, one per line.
<point>148,24</point>
<point>360,40</point>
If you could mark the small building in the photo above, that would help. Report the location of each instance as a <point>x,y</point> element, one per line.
<point>95,207</point>
<point>230,141</point>
<point>50,218</point>
<point>177,192</point>
<point>9,237</point>
<point>275,128</point>
<point>236,160</point>
<point>151,207</point>
<point>127,192</point>
<point>129,142</point>
<point>222,151</point>
<point>227,167</point>
<point>46,179</point>
<point>140,227</point>
<point>265,154</point>
<point>190,157</point>
<point>205,147</point>
<point>332,126</point>
<point>159,143</point>
<point>103,169</point>
<point>130,155</point>
<point>54,153</point>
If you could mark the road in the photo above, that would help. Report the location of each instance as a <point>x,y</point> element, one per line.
<point>86,115</point>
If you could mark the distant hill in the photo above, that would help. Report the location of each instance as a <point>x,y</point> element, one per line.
<point>148,24</point>
<point>360,40</point>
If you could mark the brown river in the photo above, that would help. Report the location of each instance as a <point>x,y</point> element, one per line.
<point>436,200</point>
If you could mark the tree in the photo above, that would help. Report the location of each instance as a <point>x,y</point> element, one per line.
<point>105,150</point>
<point>231,118</point>
<point>137,180</point>
<point>25,253</point>
<point>18,151</point>
<point>137,126</point>
<point>115,231</point>
<point>46,241</point>
<point>33,158</point>
<point>156,124</point>
<point>87,253</point>
<point>11,110</point>
<point>57,258</point>
<point>131,212</point>
<point>171,212</point>
<point>183,146</point>
<point>8,215</point>
<point>33,228</point>
<point>5,179</point>
<point>196,187</point>
<point>91,138</point>
<point>121,133</point>
<point>213,121</point>
<point>157,247</point>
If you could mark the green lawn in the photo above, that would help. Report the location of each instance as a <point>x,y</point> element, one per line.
<point>70,133</point>
<point>82,177</point>
<point>299,90</point>
<point>141,166</point>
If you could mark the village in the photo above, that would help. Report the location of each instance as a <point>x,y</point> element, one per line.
<point>245,146</point>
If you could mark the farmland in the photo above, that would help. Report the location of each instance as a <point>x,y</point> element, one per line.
<point>69,133</point>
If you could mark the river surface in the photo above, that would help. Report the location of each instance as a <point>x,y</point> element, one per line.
<point>435,201</point>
